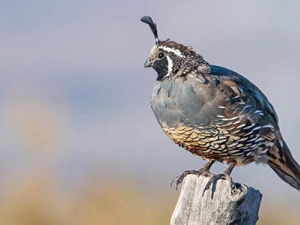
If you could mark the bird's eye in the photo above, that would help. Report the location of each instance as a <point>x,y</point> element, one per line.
<point>160,55</point>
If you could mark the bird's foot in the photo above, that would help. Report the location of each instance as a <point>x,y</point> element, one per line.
<point>205,172</point>
<point>212,181</point>
<point>178,180</point>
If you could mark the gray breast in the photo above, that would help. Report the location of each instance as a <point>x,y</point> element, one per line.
<point>180,101</point>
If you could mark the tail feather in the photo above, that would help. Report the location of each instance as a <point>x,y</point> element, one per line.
<point>282,162</point>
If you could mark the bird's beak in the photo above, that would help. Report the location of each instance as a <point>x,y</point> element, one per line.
<point>148,63</point>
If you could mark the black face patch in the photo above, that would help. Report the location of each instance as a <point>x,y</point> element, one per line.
<point>161,67</point>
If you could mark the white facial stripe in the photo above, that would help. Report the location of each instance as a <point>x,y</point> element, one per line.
<point>173,50</point>
<point>170,66</point>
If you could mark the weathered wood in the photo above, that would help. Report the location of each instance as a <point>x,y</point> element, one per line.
<point>218,206</point>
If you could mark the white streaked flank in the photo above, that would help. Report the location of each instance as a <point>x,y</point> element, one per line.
<point>268,126</point>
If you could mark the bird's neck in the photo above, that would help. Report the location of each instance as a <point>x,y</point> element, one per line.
<point>190,64</point>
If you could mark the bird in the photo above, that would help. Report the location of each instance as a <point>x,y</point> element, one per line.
<point>215,113</point>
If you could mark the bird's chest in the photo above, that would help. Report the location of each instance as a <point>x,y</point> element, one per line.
<point>181,112</point>
<point>175,103</point>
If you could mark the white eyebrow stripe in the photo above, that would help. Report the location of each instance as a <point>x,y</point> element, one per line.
<point>173,50</point>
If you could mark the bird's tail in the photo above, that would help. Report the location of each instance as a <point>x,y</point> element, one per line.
<point>282,162</point>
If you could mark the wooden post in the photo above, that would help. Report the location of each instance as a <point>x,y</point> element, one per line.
<point>218,205</point>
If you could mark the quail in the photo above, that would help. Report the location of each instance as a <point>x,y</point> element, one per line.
<point>215,113</point>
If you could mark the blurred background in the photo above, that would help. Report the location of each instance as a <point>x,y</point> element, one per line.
<point>79,143</point>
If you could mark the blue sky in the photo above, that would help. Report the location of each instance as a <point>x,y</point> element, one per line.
<point>74,70</point>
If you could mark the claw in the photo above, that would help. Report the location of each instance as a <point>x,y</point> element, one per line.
<point>214,179</point>
<point>178,180</point>
<point>203,171</point>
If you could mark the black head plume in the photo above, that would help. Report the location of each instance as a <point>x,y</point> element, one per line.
<point>149,21</point>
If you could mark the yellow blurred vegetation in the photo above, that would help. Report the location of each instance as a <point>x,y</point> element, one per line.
<point>37,200</point>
